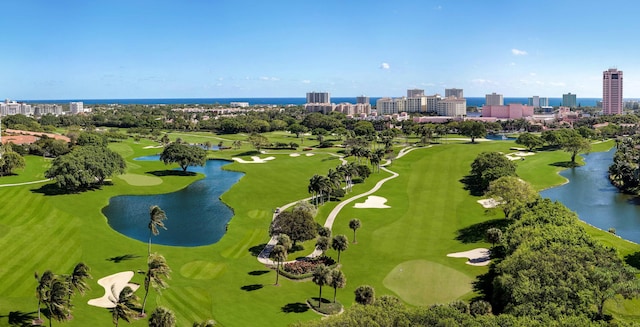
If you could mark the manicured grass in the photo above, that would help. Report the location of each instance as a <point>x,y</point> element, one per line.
<point>224,281</point>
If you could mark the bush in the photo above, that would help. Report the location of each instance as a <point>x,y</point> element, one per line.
<point>325,144</point>
<point>306,266</point>
<point>337,193</point>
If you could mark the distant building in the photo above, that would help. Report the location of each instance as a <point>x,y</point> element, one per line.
<point>510,111</point>
<point>432,103</point>
<point>47,109</point>
<point>569,100</point>
<point>76,107</point>
<point>318,97</point>
<point>353,109</point>
<point>493,99</point>
<point>363,100</point>
<point>389,106</point>
<point>456,93</point>
<point>324,108</point>
<point>414,93</point>
<point>612,92</point>
<point>239,104</point>
<point>9,107</point>
<point>537,101</point>
<point>452,106</point>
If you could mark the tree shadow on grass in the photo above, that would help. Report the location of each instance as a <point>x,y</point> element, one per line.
<point>476,233</point>
<point>565,164</point>
<point>248,153</point>
<point>169,172</point>
<point>471,184</point>
<point>120,258</point>
<point>633,260</point>
<point>256,249</point>
<point>52,189</point>
<point>258,272</point>
<point>21,319</point>
<point>297,307</point>
<point>252,287</point>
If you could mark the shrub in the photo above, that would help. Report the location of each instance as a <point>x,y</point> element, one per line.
<point>306,266</point>
<point>325,144</point>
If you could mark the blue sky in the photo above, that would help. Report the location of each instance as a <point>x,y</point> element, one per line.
<point>185,49</point>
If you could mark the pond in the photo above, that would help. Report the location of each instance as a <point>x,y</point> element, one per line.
<point>196,216</point>
<point>590,194</point>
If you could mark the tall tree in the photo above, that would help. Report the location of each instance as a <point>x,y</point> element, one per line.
<point>574,145</point>
<point>339,243</point>
<point>321,277</point>
<point>77,279</point>
<point>354,224</point>
<point>279,254</point>
<point>44,283</point>
<point>125,304</point>
<point>472,129</point>
<point>258,141</point>
<point>57,299</point>
<point>487,167</point>
<point>338,280</point>
<point>323,243</point>
<point>511,193</point>
<point>158,270</point>
<point>156,220</point>
<point>529,140</point>
<point>162,317</point>
<point>184,155</point>
<point>493,235</point>
<point>297,224</point>
<point>365,294</point>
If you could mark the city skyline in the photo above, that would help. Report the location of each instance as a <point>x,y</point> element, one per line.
<point>225,49</point>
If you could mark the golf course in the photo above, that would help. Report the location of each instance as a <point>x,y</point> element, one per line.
<point>401,248</point>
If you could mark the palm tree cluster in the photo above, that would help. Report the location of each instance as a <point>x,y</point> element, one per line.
<point>324,275</point>
<point>55,291</point>
<point>323,187</point>
<point>158,270</point>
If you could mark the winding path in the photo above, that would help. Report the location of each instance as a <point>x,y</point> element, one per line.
<point>25,183</point>
<point>263,257</point>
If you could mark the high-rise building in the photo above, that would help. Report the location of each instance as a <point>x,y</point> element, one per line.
<point>612,92</point>
<point>389,106</point>
<point>318,97</point>
<point>538,101</point>
<point>432,103</point>
<point>452,107</point>
<point>76,107</point>
<point>493,99</point>
<point>363,100</point>
<point>569,100</point>
<point>414,93</point>
<point>456,93</point>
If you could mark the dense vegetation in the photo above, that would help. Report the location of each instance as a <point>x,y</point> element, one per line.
<point>624,172</point>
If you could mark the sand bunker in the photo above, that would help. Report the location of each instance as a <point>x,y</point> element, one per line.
<point>519,155</point>
<point>477,257</point>
<point>375,202</point>
<point>113,285</point>
<point>153,147</point>
<point>489,203</point>
<point>294,155</point>
<point>253,160</point>
<point>310,154</point>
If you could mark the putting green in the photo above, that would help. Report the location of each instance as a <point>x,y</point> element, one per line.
<point>422,282</point>
<point>140,180</point>
<point>202,270</point>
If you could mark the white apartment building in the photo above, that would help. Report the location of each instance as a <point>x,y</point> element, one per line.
<point>456,93</point>
<point>415,104</point>
<point>239,104</point>
<point>76,107</point>
<point>432,102</point>
<point>414,93</point>
<point>389,106</point>
<point>47,108</point>
<point>13,108</point>
<point>493,99</point>
<point>452,107</point>
<point>537,101</point>
<point>318,97</point>
<point>353,109</point>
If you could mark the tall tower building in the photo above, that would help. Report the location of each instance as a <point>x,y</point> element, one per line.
<point>363,100</point>
<point>415,93</point>
<point>612,92</point>
<point>457,93</point>
<point>569,100</point>
<point>318,97</point>
<point>493,99</point>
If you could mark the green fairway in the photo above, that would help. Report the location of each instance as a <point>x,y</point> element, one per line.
<point>429,208</point>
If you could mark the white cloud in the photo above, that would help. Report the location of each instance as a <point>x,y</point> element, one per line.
<point>519,52</point>
<point>264,78</point>
<point>558,83</point>
<point>306,81</point>
<point>532,74</point>
<point>512,64</point>
<point>384,65</point>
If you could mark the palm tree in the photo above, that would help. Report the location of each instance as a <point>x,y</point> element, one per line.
<point>77,278</point>
<point>155,275</point>
<point>208,323</point>
<point>156,217</point>
<point>237,144</point>
<point>124,305</point>
<point>354,224</point>
<point>338,280</point>
<point>162,317</point>
<point>335,179</point>
<point>322,244</point>
<point>339,243</point>
<point>318,185</point>
<point>57,299</point>
<point>285,240</point>
<point>279,254</point>
<point>44,283</point>
<point>321,277</point>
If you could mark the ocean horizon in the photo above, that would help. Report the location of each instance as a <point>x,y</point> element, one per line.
<point>471,101</point>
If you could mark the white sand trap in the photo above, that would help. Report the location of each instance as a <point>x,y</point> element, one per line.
<point>489,203</point>
<point>519,155</point>
<point>294,155</point>
<point>253,160</point>
<point>113,285</point>
<point>477,257</point>
<point>374,202</point>
<point>310,154</point>
<point>153,147</point>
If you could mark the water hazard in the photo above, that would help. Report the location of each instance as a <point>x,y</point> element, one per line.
<point>196,216</point>
<point>597,202</point>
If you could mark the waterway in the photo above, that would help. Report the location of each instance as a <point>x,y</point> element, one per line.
<point>195,214</point>
<point>590,194</point>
